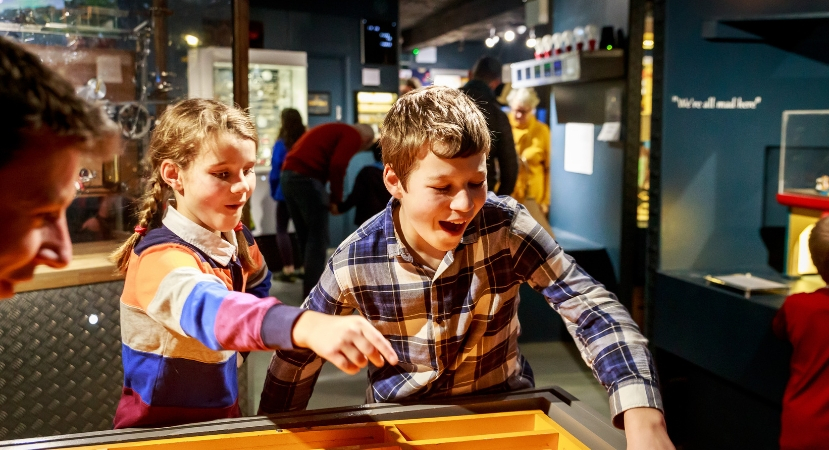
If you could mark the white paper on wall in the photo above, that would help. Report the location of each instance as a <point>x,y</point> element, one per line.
<point>611,131</point>
<point>108,69</point>
<point>427,55</point>
<point>578,148</point>
<point>371,77</point>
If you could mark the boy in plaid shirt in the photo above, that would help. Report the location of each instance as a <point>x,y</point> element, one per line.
<point>438,274</point>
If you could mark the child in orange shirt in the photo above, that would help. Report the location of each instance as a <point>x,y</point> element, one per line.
<point>196,288</point>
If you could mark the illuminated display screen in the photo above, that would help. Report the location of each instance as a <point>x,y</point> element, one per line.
<point>379,42</point>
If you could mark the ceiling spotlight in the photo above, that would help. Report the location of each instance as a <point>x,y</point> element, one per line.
<point>509,35</point>
<point>531,41</point>
<point>191,40</point>
<point>521,29</point>
<point>492,39</point>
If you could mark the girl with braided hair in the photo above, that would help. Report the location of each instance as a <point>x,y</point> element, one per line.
<point>196,288</point>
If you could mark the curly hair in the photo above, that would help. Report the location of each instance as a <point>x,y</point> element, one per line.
<point>523,97</point>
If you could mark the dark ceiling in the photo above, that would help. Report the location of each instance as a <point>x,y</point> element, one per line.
<point>440,22</point>
<point>413,11</point>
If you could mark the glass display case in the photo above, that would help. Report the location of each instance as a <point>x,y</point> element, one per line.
<point>803,182</point>
<point>372,108</point>
<point>277,80</point>
<point>804,155</point>
<point>127,56</point>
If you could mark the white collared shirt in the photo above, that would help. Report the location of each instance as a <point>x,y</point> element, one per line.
<point>221,248</point>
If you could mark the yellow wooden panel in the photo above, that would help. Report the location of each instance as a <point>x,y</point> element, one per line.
<point>566,441</point>
<point>508,430</point>
<point>542,441</point>
<point>302,439</point>
<point>799,220</point>
<point>90,264</point>
<point>421,429</point>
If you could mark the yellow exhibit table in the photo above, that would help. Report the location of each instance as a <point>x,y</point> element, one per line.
<point>536,419</point>
<point>495,431</point>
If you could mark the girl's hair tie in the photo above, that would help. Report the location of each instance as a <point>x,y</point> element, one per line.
<point>238,226</point>
<point>141,230</point>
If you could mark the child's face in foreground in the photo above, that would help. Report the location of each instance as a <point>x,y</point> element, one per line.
<point>213,189</point>
<point>441,198</point>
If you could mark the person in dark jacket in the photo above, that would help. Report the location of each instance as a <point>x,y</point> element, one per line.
<point>502,165</point>
<point>369,194</point>
<point>319,157</point>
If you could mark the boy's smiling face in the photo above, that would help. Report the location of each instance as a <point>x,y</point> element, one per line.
<point>441,198</point>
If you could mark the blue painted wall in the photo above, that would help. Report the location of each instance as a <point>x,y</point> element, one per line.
<point>712,160</point>
<point>588,206</point>
<point>568,14</point>
<point>332,41</point>
<point>328,36</point>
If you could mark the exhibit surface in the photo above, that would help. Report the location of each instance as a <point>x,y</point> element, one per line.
<point>533,419</point>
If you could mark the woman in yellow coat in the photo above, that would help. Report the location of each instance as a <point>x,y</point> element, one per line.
<point>532,144</point>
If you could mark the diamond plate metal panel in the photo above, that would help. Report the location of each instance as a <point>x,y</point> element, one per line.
<point>59,371</point>
<point>60,361</point>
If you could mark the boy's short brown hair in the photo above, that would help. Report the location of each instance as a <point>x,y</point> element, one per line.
<point>819,247</point>
<point>36,101</point>
<point>427,116</point>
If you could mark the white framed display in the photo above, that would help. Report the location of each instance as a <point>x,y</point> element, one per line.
<point>277,79</point>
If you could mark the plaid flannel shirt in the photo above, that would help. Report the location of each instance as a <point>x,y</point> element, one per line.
<point>455,329</point>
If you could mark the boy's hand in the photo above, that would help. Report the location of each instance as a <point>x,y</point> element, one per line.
<point>348,342</point>
<point>645,429</point>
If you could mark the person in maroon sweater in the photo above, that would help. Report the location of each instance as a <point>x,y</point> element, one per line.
<point>320,156</point>
<point>802,321</point>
